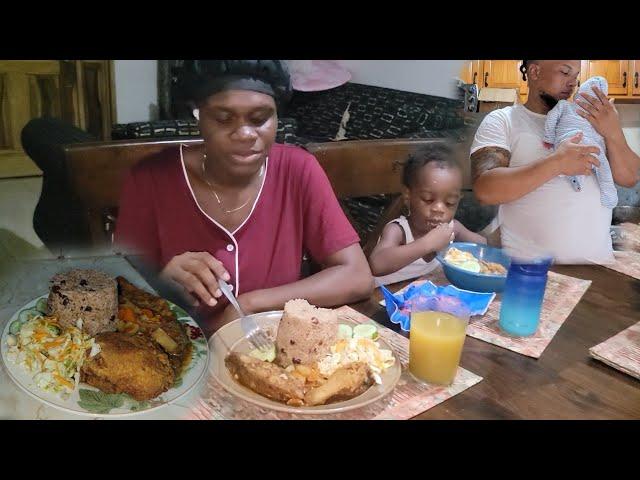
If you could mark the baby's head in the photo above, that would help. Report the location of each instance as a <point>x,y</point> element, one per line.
<point>432,179</point>
<point>587,86</point>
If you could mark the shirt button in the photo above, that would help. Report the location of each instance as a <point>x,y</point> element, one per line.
<point>229,248</point>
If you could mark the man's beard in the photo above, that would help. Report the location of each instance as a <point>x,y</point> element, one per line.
<point>548,100</point>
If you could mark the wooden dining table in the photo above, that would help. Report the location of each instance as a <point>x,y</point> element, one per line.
<point>565,382</point>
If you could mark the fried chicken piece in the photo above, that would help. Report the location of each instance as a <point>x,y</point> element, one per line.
<point>267,379</point>
<point>129,364</point>
<point>345,383</point>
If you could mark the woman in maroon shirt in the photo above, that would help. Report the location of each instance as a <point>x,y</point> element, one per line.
<point>239,206</point>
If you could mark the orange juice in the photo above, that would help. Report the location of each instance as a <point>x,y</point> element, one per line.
<point>435,346</point>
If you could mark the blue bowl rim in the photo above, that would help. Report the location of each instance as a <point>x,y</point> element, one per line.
<point>440,257</point>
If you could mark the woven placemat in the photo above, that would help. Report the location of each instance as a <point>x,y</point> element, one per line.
<point>622,351</point>
<point>561,296</point>
<point>409,398</point>
<point>627,263</point>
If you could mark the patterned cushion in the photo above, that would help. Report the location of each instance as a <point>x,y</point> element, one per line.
<point>286,132</point>
<point>374,112</point>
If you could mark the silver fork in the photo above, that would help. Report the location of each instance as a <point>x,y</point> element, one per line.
<point>252,331</point>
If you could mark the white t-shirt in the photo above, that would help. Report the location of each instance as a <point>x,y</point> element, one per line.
<point>571,226</point>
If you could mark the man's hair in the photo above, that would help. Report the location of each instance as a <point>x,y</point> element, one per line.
<point>440,153</point>
<point>523,68</point>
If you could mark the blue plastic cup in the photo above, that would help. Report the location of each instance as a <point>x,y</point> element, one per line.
<point>523,295</point>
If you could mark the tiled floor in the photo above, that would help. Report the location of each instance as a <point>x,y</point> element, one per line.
<point>18,199</point>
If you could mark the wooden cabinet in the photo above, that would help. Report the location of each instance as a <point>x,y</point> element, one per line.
<point>78,91</point>
<point>471,71</point>
<point>616,72</point>
<point>502,74</point>
<point>623,76</point>
<point>495,74</point>
<point>635,81</point>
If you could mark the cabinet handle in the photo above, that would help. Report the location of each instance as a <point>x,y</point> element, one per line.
<point>486,75</point>
<point>624,79</point>
<point>635,75</point>
<point>475,75</point>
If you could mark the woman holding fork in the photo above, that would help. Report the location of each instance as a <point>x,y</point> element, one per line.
<point>239,206</point>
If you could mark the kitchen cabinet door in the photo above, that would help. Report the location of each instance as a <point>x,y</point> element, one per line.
<point>635,81</point>
<point>502,74</point>
<point>505,74</point>
<point>615,71</point>
<point>471,71</point>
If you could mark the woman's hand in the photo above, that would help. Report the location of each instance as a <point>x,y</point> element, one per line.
<point>197,273</point>
<point>600,113</point>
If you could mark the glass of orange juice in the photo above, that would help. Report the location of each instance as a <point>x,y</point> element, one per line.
<point>436,338</point>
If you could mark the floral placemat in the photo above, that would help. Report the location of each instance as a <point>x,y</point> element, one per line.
<point>409,398</point>
<point>626,262</point>
<point>561,296</point>
<point>622,351</point>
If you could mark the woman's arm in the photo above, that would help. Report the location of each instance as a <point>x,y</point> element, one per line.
<point>391,254</point>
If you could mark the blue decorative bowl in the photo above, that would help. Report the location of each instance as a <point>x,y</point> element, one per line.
<point>476,282</point>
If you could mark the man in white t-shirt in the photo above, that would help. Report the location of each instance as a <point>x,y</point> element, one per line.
<point>539,210</point>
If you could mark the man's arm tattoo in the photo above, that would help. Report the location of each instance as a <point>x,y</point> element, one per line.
<point>488,158</point>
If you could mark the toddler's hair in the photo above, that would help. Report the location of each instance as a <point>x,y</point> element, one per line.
<point>439,152</point>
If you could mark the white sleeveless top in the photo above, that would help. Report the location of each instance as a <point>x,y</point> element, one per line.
<point>416,269</point>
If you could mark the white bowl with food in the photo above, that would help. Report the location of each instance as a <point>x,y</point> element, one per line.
<point>322,365</point>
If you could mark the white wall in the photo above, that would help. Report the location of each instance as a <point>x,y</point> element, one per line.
<point>137,81</point>
<point>136,90</point>
<point>431,77</point>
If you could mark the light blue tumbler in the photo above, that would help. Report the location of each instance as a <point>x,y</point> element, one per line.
<point>522,296</point>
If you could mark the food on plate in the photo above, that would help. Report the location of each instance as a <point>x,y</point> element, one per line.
<point>344,331</point>
<point>165,341</point>
<point>140,312</point>
<point>265,378</point>
<point>87,299</point>
<point>365,331</point>
<point>264,354</point>
<point>143,299</point>
<point>104,332</point>
<point>50,352</point>
<point>305,333</point>
<point>492,268</point>
<point>346,382</point>
<point>467,261</point>
<point>362,350</point>
<point>131,364</point>
<point>300,373</point>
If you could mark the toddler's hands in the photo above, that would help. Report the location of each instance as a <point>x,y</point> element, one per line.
<point>439,237</point>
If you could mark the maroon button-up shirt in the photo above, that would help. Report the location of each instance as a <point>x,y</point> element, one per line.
<point>296,211</point>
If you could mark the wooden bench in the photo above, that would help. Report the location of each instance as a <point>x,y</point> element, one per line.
<point>355,169</point>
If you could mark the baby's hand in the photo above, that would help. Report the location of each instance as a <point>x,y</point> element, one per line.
<point>439,237</point>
